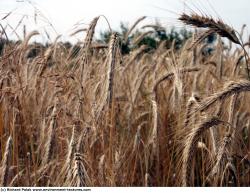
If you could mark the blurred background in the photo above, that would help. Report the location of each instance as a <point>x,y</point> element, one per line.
<point>56,17</point>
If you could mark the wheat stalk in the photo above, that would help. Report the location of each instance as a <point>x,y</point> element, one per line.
<point>193,100</point>
<point>80,177</point>
<point>191,144</point>
<point>217,26</point>
<point>200,38</point>
<point>6,163</point>
<point>49,146</point>
<point>111,60</point>
<point>170,75</point>
<point>111,65</point>
<point>230,88</point>
<point>132,27</point>
<point>221,157</point>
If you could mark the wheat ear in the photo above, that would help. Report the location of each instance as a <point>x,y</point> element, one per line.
<point>80,177</point>
<point>230,89</point>
<point>111,65</point>
<point>49,146</point>
<point>217,26</point>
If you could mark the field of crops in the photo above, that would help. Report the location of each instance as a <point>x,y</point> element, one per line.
<point>159,117</point>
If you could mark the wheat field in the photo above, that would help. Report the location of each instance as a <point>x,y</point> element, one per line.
<point>163,117</point>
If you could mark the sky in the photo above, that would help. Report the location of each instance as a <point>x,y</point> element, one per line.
<point>65,16</point>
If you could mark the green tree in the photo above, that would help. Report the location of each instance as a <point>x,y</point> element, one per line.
<point>152,40</point>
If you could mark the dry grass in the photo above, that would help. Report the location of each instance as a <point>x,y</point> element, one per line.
<point>98,118</point>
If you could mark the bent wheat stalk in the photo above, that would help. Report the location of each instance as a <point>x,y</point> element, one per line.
<point>218,26</point>
<point>133,27</point>
<point>170,75</point>
<point>190,146</point>
<point>229,90</point>
<point>214,26</point>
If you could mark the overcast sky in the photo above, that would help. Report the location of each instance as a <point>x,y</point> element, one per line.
<point>63,14</point>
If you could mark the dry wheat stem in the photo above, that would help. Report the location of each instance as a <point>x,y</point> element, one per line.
<point>193,100</point>
<point>190,147</point>
<point>170,75</point>
<point>6,163</point>
<point>132,27</point>
<point>200,38</point>
<point>229,89</point>
<point>51,137</point>
<point>229,166</point>
<point>221,157</point>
